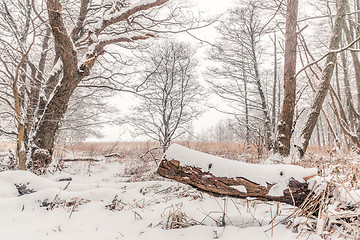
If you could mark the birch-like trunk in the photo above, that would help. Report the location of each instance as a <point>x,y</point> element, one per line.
<point>20,128</point>
<point>264,106</point>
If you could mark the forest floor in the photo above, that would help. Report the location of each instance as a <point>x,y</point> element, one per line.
<point>119,196</point>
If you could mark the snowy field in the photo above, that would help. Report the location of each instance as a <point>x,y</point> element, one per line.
<point>102,201</point>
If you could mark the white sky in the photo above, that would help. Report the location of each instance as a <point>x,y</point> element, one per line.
<point>211,117</point>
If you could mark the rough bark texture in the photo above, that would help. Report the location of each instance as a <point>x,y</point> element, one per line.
<point>62,84</point>
<point>356,63</point>
<point>287,112</point>
<point>246,102</point>
<point>323,88</point>
<point>264,106</point>
<point>55,109</point>
<point>347,89</point>
<point>223,186</point>
<point>273,120</point>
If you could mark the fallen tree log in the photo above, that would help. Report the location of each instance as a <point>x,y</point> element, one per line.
<point>223,177</point>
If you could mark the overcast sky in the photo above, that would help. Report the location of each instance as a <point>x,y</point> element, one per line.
<point>211,116</point>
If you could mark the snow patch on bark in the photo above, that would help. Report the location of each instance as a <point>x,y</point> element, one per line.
<point>240,188</point>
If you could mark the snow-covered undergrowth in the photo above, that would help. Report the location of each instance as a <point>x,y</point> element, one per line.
<point>34,207</point>
<point>124,199</point>
<point>96,204</point>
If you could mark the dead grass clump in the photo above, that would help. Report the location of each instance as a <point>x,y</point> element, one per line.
<point>174,217</point>
<point>327,212</point>
<point>71,206</point>
<point>116,204</point>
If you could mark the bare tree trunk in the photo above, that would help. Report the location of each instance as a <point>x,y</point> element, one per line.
<point>282,145</point>
<point>318,134</point>
<point>274,86</point>
<point>356,62</point>
<point>264,107</point>
<point>338,89</point>
<point>323,88</point>
<point>357,10</point>
<point>347,89</point>
<point>56,107</point>
<point>247,134</point>
<point>322,131</point>
<point>20,129</point>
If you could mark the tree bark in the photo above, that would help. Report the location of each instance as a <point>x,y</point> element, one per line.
<point>20,129</point>
<point>274,86</point>
<point>356,63</point>
<point>57,104</point>
<point>323,88</point>
<point>347,89</point>
<point>63,82</point>
<point>282,145</point>
<point>247,134</point>
<point>264,106</point>
<point>295,194</point>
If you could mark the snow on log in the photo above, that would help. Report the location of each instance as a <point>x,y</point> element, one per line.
<point>223,177</point>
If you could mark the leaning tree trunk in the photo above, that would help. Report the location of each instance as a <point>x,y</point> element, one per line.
<point>356,63</point>
<point>282,144</point>
<point>48,124</point>
<point>201,171</point>
<point>64,82</point>
<point>323,88</point>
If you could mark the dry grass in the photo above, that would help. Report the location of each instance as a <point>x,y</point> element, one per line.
<point>93,149</point>
<point>316,156</point>
<point>132,150</point>
<point>341,223</point>
<point>230,150</point>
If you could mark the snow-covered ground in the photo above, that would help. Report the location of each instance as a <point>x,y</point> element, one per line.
<point>99,204</point>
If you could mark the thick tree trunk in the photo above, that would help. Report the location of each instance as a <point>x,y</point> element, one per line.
<point>321,93</point>
<point>295,194</point>
<point>48,124</point>
<point>282,145</point>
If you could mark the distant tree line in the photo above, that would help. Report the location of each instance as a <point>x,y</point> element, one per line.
<point>282,85</point>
